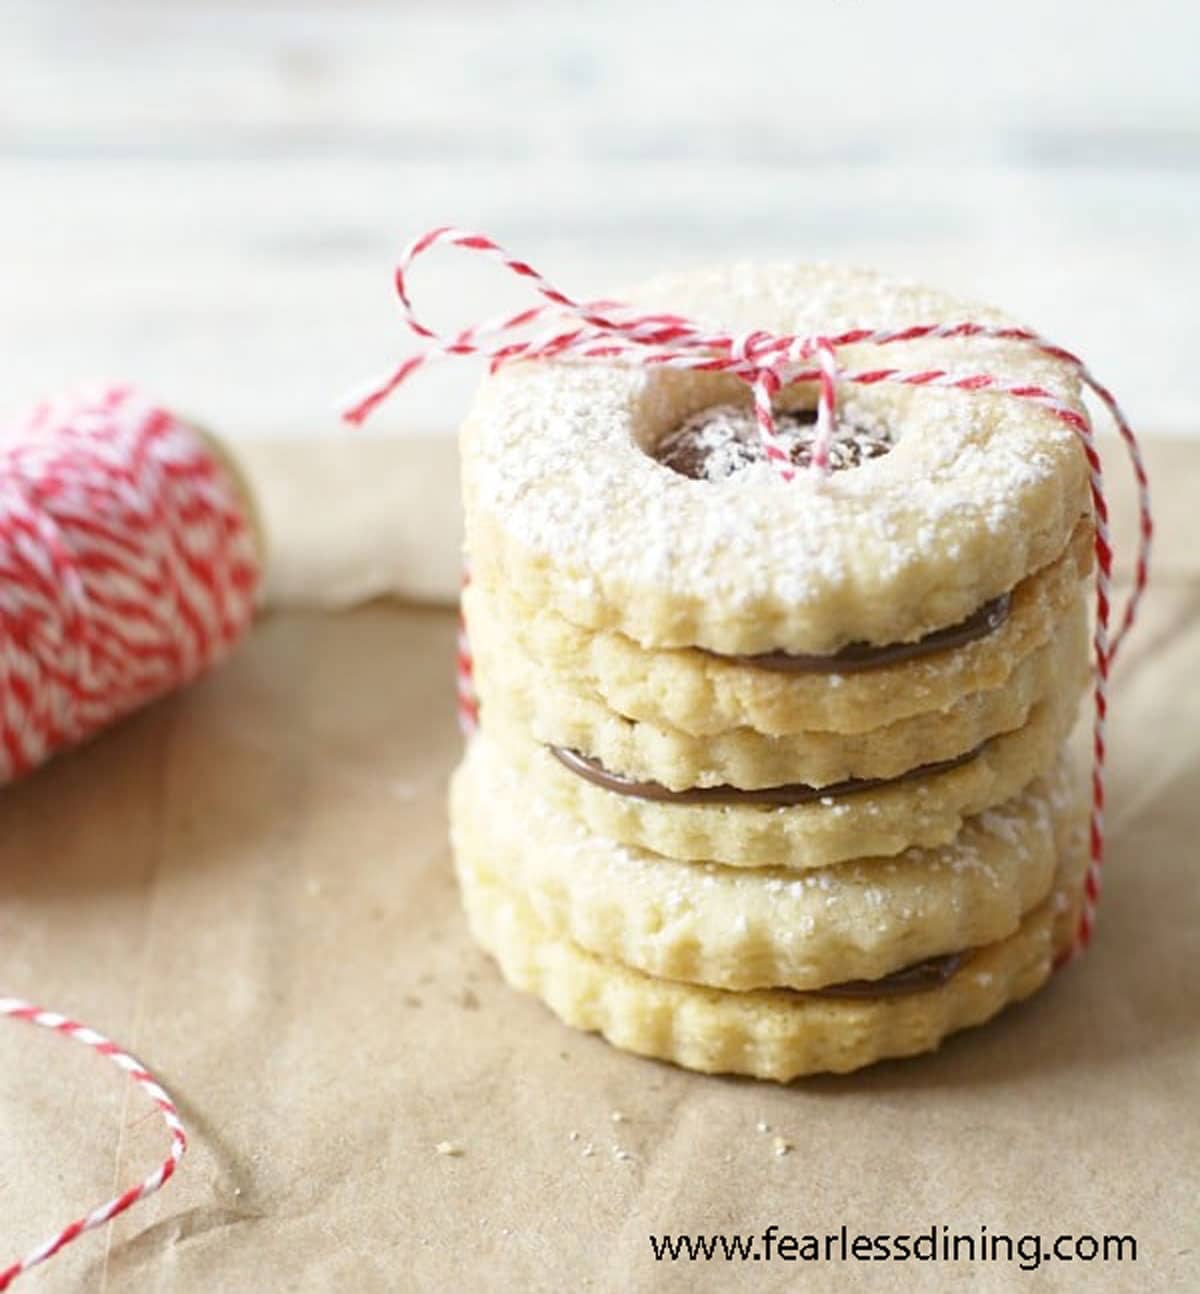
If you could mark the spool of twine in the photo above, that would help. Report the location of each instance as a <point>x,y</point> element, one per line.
<point>130,556</point>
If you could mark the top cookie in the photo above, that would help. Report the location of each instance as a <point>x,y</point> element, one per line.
<point>944,499</point>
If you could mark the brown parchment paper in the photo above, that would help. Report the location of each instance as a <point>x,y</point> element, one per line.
<point>248,885</point>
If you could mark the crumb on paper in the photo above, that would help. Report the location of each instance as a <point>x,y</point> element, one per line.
<point>588,1151</point>
<point>762,1126</point>
<point>572,1135</point>
<point>782,1146</point>
<point>617,1116</point>
<point>449,1148</point>
<point>619,1152</point>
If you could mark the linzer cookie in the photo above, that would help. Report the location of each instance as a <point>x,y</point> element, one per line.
<point>766,1033</point>
<point>706,694</point>
<point>777,642</point>
<point>790,826</point>
<point>569,715</point>
<point>963,494</point>
<point>732,928</point>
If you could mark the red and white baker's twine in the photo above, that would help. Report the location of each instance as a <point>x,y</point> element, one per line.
<point>464,676</point>
<point>606,331</point>
<point>127,566</point>
<point>16,1009</point>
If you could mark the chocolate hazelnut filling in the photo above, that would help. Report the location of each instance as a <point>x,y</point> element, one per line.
<point>931,973</point>
<point>790,794</point>
<point>723,440</point>
<point>856,657</point>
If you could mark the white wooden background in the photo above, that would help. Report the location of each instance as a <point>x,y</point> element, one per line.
<point>207,197</point>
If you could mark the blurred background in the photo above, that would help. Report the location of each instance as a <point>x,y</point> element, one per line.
<point>208,197</point>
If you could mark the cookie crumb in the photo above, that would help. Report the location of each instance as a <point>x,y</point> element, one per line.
<point>617,1116</point>
<point>449,1148</point>
<point>762,1126</point>
<point>620,1153</point>
<point>588,1151</point>
<point>782,1146</point>
<point>572,1135</point>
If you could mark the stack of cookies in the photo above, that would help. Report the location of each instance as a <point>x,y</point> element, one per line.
<point>770,775</point>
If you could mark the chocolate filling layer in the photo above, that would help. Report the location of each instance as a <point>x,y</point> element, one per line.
<point>790,794</point>
<point>931,973</point>
<point>723,440</point>
<point>863,656</point>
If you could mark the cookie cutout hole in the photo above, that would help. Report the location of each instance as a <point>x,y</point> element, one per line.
<point>722,440</point>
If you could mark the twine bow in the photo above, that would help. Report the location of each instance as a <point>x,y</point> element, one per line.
<point>609,332</point>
